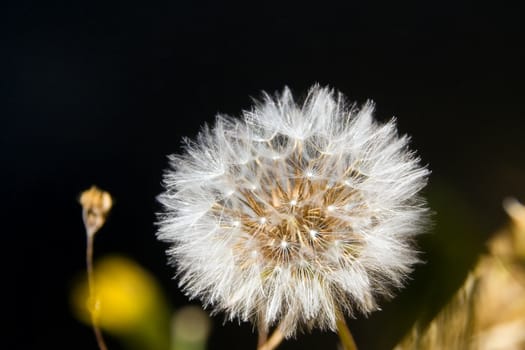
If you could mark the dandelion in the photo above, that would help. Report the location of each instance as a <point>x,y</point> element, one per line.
<point>295,214</point>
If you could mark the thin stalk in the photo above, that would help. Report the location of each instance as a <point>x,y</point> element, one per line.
<point>93,301</point>
<point>263,335</point>
<point>345,335</point>
<point>275,339</point>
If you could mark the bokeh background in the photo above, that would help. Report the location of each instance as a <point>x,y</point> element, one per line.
<point>101,92</point>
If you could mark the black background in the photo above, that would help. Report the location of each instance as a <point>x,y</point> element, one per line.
<point>100,93</point>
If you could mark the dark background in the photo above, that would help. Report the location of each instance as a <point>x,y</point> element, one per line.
<point>100,93</point>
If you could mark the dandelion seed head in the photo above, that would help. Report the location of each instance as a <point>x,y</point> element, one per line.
<point>318,216</point>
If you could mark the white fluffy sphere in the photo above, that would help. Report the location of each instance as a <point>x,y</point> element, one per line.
<point>294,214</point>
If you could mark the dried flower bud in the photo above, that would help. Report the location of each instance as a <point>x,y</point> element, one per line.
<point>96,205</point>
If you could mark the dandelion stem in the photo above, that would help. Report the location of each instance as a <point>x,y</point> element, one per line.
<point>93,301</point>
<point>345,335</point>
<point>263,335</point>
<point>275,339</point>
